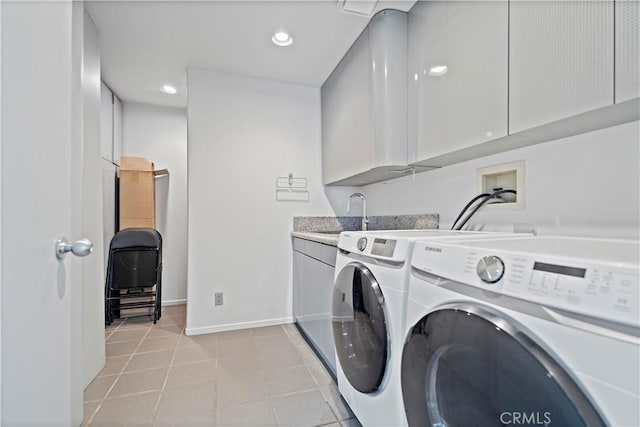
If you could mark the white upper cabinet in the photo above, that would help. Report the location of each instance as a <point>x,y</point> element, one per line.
<point>346,131</point>
<point>627,41</point>
<point>560,60</point>
<point>110,125</point>
<point>364,106</point>
<point>106,123</point>
<point>388,88</point>
<point>458,74</point>
<point>117,130</point>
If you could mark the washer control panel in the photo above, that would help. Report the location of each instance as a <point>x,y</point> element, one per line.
<point>604,289</point>
<point>369,244</point>
<point>383,247</point>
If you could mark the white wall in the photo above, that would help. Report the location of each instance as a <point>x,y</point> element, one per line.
<point>582,185</point>
<point>160,135</point>
<point>243,133</point>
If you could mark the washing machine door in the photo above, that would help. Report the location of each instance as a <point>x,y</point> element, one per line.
<point>360,327</point>
<point>465,365</point>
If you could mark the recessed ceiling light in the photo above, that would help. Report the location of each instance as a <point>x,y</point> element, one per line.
<point>282,38</point>
<point>438,70</point>
<point>168,89</point>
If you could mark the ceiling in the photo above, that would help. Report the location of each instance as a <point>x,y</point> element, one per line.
<point>146,44</point>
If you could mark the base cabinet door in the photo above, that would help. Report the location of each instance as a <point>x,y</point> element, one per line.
<point>313,271</point>
<point>298,282</point>
<point>318,285</point>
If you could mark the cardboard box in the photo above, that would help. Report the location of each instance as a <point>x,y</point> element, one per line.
<point>137,193</point>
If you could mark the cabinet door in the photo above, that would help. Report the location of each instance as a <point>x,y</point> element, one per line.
<point>106,123</point>
<point>117,130</point>
<point>388,88</point>
<point>312,295</point>
<point>329,255</point>
<point>298,286</point>
<point>458,75</point>
<point>325,342</point>
<point>316,306</point>
<point>346,122</point>
<point>560,60</point>
<point>627,50</point>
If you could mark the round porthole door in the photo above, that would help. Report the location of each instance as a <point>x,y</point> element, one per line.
<point>360,327</point>
<point>465,365</point>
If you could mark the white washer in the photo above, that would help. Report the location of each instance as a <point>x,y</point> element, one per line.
<point>534,331</point>
<point>368,313</point>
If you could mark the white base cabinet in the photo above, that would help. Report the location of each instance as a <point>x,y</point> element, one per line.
<point>313,271</point>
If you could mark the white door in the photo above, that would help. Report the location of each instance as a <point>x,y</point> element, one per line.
<point>41,201</point>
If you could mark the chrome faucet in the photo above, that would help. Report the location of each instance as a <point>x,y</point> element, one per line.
<point>365,220</point>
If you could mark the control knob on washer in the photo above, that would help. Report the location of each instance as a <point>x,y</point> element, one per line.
<point>490,269</point>
<point>362,243</point>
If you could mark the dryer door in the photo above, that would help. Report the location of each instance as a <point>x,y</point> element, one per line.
<point>360,327</point>
<point>465,365</point>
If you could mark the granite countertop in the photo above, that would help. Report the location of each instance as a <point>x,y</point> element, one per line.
<point>327,229</point>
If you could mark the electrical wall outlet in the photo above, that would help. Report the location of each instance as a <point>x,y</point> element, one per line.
<point>219,298</point>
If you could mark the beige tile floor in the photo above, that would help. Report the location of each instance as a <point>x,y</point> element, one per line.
<point>156,375</point>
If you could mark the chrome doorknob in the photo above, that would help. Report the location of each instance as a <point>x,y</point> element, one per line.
<point>82,247</point>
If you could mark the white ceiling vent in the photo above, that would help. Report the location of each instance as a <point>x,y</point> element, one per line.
<point>358,7</point>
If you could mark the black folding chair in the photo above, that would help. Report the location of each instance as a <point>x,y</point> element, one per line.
<point>134,273</point>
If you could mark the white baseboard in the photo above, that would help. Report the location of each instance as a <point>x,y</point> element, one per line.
<point>236,326</point>
<point>174,302</point>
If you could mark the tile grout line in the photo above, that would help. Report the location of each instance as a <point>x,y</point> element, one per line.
<point>273,408</point>
<point>320,386</point>
<point>290,334</point>
<point>95,411</point>
<point>252,337</point>
<point>268,399</point>
<point>166,379</point>
<point>119,374</point>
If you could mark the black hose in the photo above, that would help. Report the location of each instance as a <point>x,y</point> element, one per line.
<point>482,203</point>
<point>462,212</point>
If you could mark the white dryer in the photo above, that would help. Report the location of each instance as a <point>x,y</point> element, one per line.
<point>533,331</point>
<point>368,315</point>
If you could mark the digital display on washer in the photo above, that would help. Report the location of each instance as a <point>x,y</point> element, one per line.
<point>383,247</point>
<point>560,269</point>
